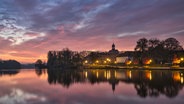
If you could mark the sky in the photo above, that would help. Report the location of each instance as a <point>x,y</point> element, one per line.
<point>30,28</point>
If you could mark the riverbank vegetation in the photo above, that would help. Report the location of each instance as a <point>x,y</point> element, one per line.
<point>9,64</point>
<point>148,53</point>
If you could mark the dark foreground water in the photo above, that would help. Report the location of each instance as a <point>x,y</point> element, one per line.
<point>91,87</point>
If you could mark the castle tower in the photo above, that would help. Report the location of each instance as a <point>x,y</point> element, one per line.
<point>113,46</point>
<point>113,50</point>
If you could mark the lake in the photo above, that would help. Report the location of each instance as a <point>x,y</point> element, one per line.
<point>88,86</point>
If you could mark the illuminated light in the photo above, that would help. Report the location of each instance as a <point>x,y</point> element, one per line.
<point>115,74</point>
<point>97,61</point>
<point>108,59</point>
<point>86,61</point>
<point>181,80</point>
<point>128,62</point>
<point>130,74</point>
<point>182,59</point>
<point>150,75</point>
<point>181,77</point>
<point>105,62</point>
<point>176,76</point>
<point>149,61</point>
<point>115,62</point>
<point>97,74</point>
<point>176,61</point>
<point>86,74</point>
<point>105,74</point>
<point>108,75</point>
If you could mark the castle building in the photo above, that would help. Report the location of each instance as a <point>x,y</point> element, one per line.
<point>103,57</point>
<point>113,50</point>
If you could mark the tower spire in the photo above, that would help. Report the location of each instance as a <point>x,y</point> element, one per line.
<point>113,46</point>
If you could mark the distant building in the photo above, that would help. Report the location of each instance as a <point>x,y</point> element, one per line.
<point>113,50</point>
<point>103,57</point>
<point>123,57</point>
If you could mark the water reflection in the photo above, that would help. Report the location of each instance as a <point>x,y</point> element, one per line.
<point>39,72</point>
<point>9,72</point>
<point>18,96</point>
<point>146,82</point>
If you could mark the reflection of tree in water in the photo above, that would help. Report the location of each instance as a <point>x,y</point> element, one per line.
<point>141,89</point>
<point>147,83</point>
<point>64,77</point>
<point>162,83</point>
<point>39,72</point>
<point>9,72</point>
<point>68,77</point>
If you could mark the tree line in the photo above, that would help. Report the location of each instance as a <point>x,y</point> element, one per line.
<point>9,64</point>
<point>162,82</point>
<point>161,51</point>
<point>64,59</point>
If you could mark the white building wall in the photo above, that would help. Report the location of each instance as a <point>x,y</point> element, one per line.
<point>121,59</point>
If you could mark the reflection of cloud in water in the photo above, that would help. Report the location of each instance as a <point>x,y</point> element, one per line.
<point>18,96</point>
<point>130,98</point>
<point>11,82</point>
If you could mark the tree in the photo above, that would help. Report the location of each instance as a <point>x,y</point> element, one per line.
<point>172,44</point>
<point>67,56</point>
<point>38,62</point>
<point>64,59</point>
<point>93,56</point>
<point>142,45</point>
<point>154,42</point>
<point>10,64</point>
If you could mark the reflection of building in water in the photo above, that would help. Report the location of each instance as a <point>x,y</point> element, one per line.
<point>146,82</point>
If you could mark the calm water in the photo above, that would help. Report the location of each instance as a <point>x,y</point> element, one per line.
<point>91,87</point>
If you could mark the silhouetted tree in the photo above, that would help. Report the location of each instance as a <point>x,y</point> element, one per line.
<point>10,64</point>
<point>172,44</point>
<point>142,45</point>
<point>64,59</point>
<point>39,61</point>
<point>39,64</point>
<point>162,82</point>
<point>93,56</point>
<point>159,51</point>
<point>153,43</point>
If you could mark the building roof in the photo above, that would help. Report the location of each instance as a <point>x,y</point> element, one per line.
<point>127,53</point>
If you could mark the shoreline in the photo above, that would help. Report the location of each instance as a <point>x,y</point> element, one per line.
<point>135,67</point>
